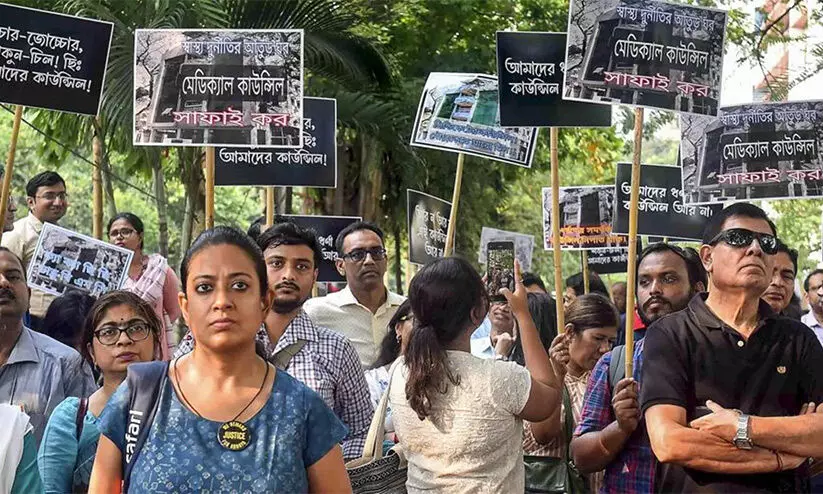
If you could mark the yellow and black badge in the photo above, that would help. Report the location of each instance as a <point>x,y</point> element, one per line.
<point>234,436</point>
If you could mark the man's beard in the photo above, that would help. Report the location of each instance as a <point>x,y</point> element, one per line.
<point>647,321</point>
<point>286,306</point>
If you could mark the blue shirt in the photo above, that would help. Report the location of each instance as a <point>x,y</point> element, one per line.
<point>65,463</point>
<point>292,431</point>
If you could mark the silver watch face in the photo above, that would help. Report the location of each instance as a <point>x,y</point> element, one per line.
<point>742,443</point>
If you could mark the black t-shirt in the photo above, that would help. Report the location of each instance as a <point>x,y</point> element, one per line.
<point>691,356</point>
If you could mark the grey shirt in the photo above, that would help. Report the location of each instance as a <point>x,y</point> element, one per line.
<point>39,374</point>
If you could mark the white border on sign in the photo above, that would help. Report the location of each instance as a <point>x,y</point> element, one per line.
<point>719,86</point>
<point>208,144</point>
<point>105,66</point>
<point>497,59</point>
<point>546,245</point>
<point>106,245</point>
<point>507,233</point>
<point>408,216</point>
<point>416,125</point>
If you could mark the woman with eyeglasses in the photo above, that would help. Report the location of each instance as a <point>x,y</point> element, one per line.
<point>120,329</point>
<point>150,277</point>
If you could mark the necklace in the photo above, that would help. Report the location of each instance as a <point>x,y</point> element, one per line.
<point>233,435</point>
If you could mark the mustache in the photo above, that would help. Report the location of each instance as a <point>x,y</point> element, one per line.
<point>652,300</point>
<point>287,284</point>
<point>7,293</point>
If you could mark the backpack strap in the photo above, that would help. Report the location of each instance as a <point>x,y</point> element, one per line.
<point>82,408</point>
<point>282,358</point>
<point>617,366</point>
<point>145,381</point>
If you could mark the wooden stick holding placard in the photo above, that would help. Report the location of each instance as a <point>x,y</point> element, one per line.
<point>97,181</point>
<point>4,194</point>
<point>269,207</point>
<point>631,269</point>
<point>558,266</point>
<point>458,182</point>
<point>209,187</point>
<point>584,260</point>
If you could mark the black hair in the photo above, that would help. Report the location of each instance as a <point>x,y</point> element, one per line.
<point>22,266</point>
<point>114,299</point>
<point>356,227</point>
<point>592,310</point>
<point>781,247</point>
<point>290,233</point>
<point>596,285</point>
<point>225,235</point>
<point>793,310</point>
<point>256,228</point>
<point>694,267</point>
<point>133,220</point>
<point>445,296</point>
<point>808,277</point>
<point>530,279</point>
<point>742,209</point>
<point>390,347</point>
<point>43,179</point>
<point>65,317</point>
<point>544,315</point>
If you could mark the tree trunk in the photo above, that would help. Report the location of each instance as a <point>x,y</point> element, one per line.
<point>280,200</point>
<point>289,203</point>
<point>108,188</point>
<point>369,164</point>
<point>96,180</point>
<point>340,191</point>
<point>398,272</point>
<point>158,179</point>
<point>194,185</point>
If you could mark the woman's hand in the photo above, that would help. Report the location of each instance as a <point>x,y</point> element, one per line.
<point>518,301</point>
<point>559,355</point>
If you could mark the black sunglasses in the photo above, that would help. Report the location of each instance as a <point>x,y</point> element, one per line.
<point>741,237</point>
<point>359,255</point>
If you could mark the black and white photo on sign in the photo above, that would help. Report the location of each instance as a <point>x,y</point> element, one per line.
<point>523,245</point>
<point>428,221</point>
<point>645,53</point>
<point>585,218</point>
<point>52,61</point>
<point>459,113</point>
<point>530,68</point>
<point>313,166</point>
<point>753,151</point>
<point>660,207</point>
<point>65,260</point>
<point>233,88</point>
<point>611,261</point>
<point>326,228</point>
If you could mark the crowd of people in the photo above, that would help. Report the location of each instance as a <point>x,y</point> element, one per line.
<point>272,390</point>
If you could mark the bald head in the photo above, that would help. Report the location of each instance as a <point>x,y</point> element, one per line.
<point>619,296</point>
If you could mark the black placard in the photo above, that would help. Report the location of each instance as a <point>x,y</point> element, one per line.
<point>611,261</point>
<point>52,61</point>
<point>313,166</point>
<point>530,72</point>
<point>428,220</point>
<point>326,228</point>
<point>660,207</point>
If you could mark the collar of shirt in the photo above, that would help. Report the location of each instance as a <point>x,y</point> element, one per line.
<point>705,317</point>
<point>36,224</point>
<point>811,321</point>
<point>24,350</point>
<point>300,328</point>
<point>346,297</point>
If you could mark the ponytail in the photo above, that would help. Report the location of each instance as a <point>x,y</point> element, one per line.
<point>428,370</point>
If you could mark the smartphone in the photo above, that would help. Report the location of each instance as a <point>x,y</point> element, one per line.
<point>499,269</point>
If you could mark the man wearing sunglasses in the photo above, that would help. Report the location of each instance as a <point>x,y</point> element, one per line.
<point>726,382</point>
<point>361,311</point>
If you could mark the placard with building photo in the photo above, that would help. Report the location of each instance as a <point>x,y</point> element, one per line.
<point>753,151</point>
<point>65,260</point>
<point>326,228</point>
<point>585,218</point>
<point>459,113</point>
<point>223,87</point>
<point>645,53</point>
<point>523,245</point>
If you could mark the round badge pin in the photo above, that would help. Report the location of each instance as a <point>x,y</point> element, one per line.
<point>234,436</point>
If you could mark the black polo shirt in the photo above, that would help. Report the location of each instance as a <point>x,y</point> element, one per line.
<point>692,356</point>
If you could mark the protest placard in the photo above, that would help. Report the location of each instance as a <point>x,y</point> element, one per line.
<point>52,61</point>
<point>645,53</point>
<point>428,219</point>
<point>585,218</point>
<point>65,260</point>
<point>326,228</point>
<point>313,166</point>
<point>753,151</point>
<point>218,87</point>
<point>523,245</point>
<point>660,210</point>
<point>611,261</point>
<point>530,68</point>
<point>459,113</point>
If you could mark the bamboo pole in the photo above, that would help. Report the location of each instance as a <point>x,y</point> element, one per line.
<point>4,194</point>
<point>584,260</point>
<point>458,182</point>
<point>558,270</point>
<point>631,274</point>
<point>269,206</point>
<point>97,182</point>
<point>209,187</point>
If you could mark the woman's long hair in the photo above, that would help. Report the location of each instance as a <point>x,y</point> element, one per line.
<point>390,347</point>
<point>443,295</point>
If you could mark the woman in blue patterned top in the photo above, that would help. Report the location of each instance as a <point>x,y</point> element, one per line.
<point>226,420</point>
<point>120,329</point>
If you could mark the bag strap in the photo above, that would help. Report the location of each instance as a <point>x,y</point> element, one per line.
<point>82,408</point>
<point>568,426</point>
<point>282,358</point>
<point>145,381</point>
<point>617,366</point>
<point>373,449</point>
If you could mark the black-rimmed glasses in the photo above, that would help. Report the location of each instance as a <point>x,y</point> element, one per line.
<point>110,335</point>
<point>359,255</point>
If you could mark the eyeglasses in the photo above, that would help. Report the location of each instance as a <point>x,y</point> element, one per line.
<point>359,255</point>
<point>110,335</point>
<point>741,237</point>
<point>407,317</point>
<point>123,232</point>
<point>50,196</point>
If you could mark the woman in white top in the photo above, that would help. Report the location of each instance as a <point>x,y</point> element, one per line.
<point>459,417</point>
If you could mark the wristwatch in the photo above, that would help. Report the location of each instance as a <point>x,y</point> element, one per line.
<point>741,439</point>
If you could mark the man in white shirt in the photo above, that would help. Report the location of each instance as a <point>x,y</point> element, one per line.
<point>496,337</point>
<point>361,311</point>
<point>813,285</point>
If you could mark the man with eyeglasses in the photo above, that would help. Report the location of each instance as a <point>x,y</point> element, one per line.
<point>47,201</point>
<point>361,311</point>
<point>727,383</point>
<point>36,371</point>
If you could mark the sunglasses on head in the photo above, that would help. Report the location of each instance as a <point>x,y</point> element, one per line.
<point>741,237</point>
